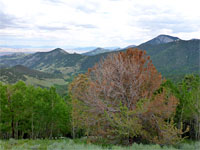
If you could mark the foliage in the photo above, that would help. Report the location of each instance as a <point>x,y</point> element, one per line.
<point>188,110</point>
<point>174,58</point>
<point>28,112</point>
<point>119,102</point>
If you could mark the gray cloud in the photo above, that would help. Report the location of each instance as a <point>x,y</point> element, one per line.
<point>115,0</point>
<point>53,1</point>
<point>9,21</point>
<point>176,24</point>
<point>10,40</point>
<point>52,28</point>
<point>104,22</point>
<point>57,28</point>
<point>153,20</point>
<point>6,21</point>
<point>90,7</point>
<point>86,9</point>
<point>183,28</point>
<point>85,26</point>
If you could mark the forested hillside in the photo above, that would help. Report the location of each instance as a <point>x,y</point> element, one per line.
<point>33,77</point>
<point>175,58</point>
<point>55,61</point>
<point>172,57</point>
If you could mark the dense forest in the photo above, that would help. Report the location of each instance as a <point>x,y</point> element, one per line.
<point>121,100</point>
<point>29,112</point>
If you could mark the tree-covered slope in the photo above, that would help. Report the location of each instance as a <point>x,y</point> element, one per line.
<point>172,58</point>
<point>178,57</point>
<point>30,76</point>
<point>55,61</point>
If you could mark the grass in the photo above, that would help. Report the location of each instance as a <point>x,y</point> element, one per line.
<point>67,144</point>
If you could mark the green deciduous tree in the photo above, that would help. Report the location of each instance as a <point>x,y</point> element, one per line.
<point>188,110</point>
<point>29,112</point>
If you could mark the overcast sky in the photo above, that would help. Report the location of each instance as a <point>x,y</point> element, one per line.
<point>104,23</point>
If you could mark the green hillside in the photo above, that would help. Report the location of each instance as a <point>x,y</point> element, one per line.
<point>55,61</point>
<point>172,59</point>
<point>33,77</point>
<point>179,57</point>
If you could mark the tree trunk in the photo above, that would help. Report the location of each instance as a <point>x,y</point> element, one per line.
<point>73,130</point>
<point>32,127</point>
<point>13,128</point>
<point>180,120</point>
<point>197,128</point>
<point>17,131</point>
<point>51,133</point>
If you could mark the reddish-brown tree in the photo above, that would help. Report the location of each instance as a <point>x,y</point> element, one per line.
<point>119,94</point>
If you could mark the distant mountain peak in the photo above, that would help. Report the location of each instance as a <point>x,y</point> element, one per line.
<point>167,36</point>
<point>96,51</point>
<point>161,39</point>
<point>131,46</point>
<point>58,50</point>
<point>100,50</point>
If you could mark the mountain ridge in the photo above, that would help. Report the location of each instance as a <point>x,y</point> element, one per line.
<point>161,39</point>
<point>170,58</point>
<point>96,51</point>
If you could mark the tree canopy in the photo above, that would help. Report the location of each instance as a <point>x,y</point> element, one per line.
<point>29,112</point>
<point>120,100</point>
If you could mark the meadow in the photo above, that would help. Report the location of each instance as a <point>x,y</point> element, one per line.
<point>68,144</point>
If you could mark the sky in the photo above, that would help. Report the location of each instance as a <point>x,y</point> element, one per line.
<point>101,23</point>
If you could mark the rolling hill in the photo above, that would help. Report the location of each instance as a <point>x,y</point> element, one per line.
<point>56,61</point>
<point>172,57</point>
<point>31,77</point>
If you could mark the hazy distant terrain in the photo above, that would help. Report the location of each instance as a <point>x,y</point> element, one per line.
<point>172,56</point>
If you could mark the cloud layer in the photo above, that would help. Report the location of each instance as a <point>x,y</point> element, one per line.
<point>76,23</point>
